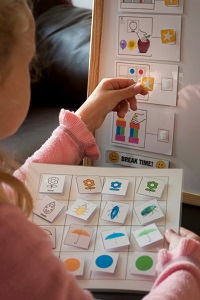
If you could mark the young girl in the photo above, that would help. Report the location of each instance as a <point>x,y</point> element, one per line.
<point>28,269</point>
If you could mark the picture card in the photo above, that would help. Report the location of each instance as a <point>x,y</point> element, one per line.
<point>79,236</point>
<point>51,231</point>
<point>48,208</point>
<point>115,212</point>
<point>89,184</point>
<point>52,184</point>
<point>115,186</point>
<point>82,209</point>
<point>115,238</point>
<point>74,263</point>
<point>104,262</point>
<point>148,212</point>
<point>144,263</point>
<point>147,82</point>
<point>150,186</point>
<point>147,235</point>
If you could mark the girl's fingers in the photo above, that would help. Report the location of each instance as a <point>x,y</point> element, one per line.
<point>117,83</point>
<point>122,108</point>
<point>184,232</point>
<point>133,103</point>
<point>127,93</point>
<point>172,238</point>
<point>170,234</point>
<point>189,234</point>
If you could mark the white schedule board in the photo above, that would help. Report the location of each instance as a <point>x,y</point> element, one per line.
<point>174,65</point>
<point>106,224</point>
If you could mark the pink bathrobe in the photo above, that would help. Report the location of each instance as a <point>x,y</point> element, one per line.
<point>29,270</point>
<point>69,144</point>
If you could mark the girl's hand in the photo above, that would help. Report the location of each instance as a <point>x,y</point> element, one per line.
<point>115,94</point>
<point>173,238</point>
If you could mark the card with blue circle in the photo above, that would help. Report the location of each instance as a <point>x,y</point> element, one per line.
<point>104,262</point>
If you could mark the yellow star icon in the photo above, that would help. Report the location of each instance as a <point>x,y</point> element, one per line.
<point>168,36</point>
<point>148,83</point>
<point>171,2</point>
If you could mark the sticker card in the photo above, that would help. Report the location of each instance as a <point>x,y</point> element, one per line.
<point>171,2</point>
<point>115,238</point>
<point>82,209</point>
<point>104,262</point>
<point>147,235</point>
<point>51,183</point>
<point>144,263</point>
<point>79,236</point>
<point>151,187</point>
<point>75,264</point>
<point>115,186</point>
<point>168,36</point>
<point>148,83</point>
<point>48,208</point>
<point>89,184</point>
<point>115,212</point>
<point>51,231</point>
<point>148,212</point>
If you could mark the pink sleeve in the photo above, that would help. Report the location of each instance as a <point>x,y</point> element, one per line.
<point>29,270</point>
<point>69,144</point>
<point>178,273</point>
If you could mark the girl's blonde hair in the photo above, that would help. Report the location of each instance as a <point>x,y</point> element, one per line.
<point>13,23</point>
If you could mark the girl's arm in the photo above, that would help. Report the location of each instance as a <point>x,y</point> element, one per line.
<point>73,139</point>
<point>178,270</point>
<point>69,144</point>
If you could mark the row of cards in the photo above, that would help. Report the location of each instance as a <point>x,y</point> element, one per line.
<point>143,263</point>
<point>54,184</point>
<point>81,235</point>
<point>115,212</point>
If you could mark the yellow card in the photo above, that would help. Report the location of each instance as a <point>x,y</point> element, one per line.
<point>148,83</point>
<point>171,2</point>
<point>168,36</point>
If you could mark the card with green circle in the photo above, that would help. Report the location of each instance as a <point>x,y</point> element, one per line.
<point>143,263</point>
